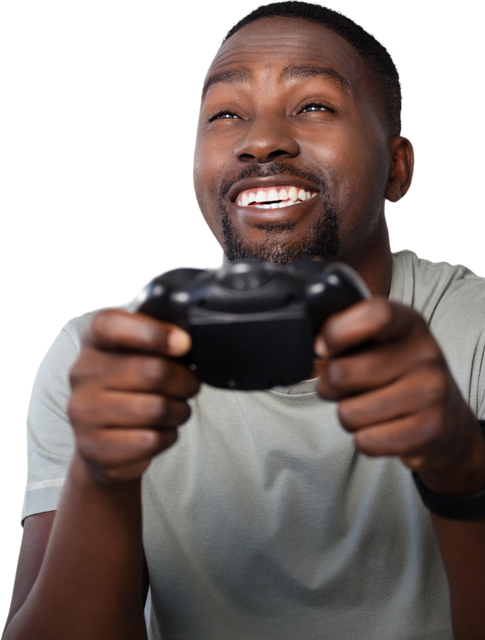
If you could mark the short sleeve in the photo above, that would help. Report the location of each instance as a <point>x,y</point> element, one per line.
<point>47,432</point>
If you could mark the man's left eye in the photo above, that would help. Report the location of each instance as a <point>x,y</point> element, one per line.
<point>314,106</point>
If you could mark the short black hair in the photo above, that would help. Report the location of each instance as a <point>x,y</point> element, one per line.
<point>372,53</point>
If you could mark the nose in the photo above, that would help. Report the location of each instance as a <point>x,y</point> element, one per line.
<point>267,138</point>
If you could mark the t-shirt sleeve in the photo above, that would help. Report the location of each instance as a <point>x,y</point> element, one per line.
<point>461,331</point>
<point>50,439</point>
<point>47,432</point>
<point>451,298</point>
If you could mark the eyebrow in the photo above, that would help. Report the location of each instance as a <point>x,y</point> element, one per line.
<point>304,72</point>
<point>295,72</point>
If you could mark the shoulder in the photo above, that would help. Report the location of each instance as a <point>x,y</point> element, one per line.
<point>451,298</point>
<point>436,288</point>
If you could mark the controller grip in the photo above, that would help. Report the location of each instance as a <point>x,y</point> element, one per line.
<point>159,298</point>
<point>339,288</point>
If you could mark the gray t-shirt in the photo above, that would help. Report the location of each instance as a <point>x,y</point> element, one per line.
<point>263,521</point>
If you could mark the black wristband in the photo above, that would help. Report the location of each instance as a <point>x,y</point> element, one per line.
<point>452,507</point>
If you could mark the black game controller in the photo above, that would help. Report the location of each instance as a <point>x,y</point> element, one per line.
<point>252,324</point>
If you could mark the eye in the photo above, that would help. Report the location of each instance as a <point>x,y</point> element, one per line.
<point>223,115</point>
<point>315,106</point>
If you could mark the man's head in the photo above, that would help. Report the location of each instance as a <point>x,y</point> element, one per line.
<point>300,106</point>
<point>375,58</point>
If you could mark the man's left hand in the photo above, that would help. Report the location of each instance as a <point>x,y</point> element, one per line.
<point>397,396</point>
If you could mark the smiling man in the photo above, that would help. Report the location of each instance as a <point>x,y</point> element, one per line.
<point>289,513</point>
<point>313,112</point>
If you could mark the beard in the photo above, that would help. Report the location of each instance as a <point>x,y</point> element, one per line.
<point>322,241</point>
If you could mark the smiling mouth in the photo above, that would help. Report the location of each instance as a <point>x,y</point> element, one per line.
<point>273,198</point>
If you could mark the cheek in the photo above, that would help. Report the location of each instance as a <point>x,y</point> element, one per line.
<point>205,182</point>
<point>199,165</point>
<point>346,151</point>
<point>209,161</point>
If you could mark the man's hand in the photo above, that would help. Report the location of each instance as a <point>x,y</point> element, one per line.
<point>128,394</point>
<point>397,395</point>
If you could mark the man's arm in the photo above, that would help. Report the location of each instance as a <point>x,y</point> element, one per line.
<point>128,398</point>
<point>90,584</point>
<point>462,546</point>
<point>35,537</point>
<point>397,396</point>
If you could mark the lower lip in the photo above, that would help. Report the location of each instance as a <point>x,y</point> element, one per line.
<point>261,215</point>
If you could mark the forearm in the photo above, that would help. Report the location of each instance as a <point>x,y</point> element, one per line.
<point>90,582</point>
<point>462,546</point>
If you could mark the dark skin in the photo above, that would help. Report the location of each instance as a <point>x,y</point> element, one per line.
<point>395,393</point>
<point>304,124</point>
<point>378,359</point>
<point>397,396</point>
<point>312,125</point>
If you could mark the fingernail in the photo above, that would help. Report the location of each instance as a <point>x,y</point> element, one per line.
<point>321,348</point>
<point>178,342</point>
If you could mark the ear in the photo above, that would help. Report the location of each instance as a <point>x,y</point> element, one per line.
<point>401,171</point>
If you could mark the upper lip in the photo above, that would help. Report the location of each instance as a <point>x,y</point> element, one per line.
<point>278,180</point>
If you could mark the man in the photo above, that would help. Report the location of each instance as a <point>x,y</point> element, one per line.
<point>285,513</point>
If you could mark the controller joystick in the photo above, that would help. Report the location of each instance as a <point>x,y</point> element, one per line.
<point>252,324</point>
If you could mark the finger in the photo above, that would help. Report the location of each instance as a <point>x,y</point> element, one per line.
<point>92,408</point>
<point>378,365</point>
<point>411,436</point>
<point>134,372</point>
<point>116,328</point>
<point>376,320</point>
<point>114,452</point>
<point>419,391</point>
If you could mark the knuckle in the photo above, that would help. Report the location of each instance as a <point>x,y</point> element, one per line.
<point>429,352</point>
<point>167,412</point>
<point>153,408</point>
<point>76,374</point>
<point>431,428</point>
<point>381,311</point>
<point>325,390</point>
<point>90,451</point>
<point>435,389</point>
<point>102,322</point>
<point>78,408</point>
<point>338,374</point>
<point>154,371</point>
<point>82,370</point>
<point>346,413</point>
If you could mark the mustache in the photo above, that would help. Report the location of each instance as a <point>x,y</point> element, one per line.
<point>272,169</point>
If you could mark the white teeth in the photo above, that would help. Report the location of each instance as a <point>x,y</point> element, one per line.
<point>278,205</point>
<point>286,197</point>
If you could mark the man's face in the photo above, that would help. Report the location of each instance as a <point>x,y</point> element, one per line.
<point>291,159</point>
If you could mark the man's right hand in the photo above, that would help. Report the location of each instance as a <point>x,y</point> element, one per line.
<point>128,393</point>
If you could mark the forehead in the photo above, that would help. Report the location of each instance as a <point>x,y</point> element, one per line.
<point>270,44</point>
